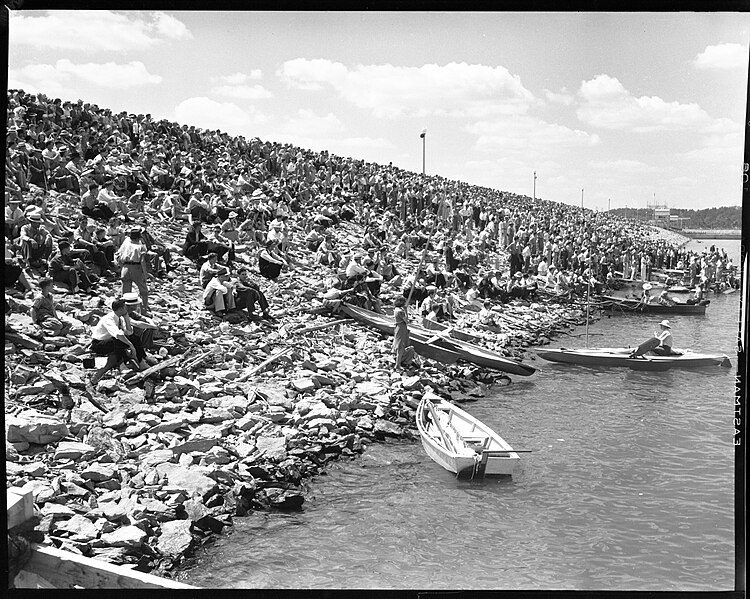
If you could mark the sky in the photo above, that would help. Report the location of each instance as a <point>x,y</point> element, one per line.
<point>610,109</point>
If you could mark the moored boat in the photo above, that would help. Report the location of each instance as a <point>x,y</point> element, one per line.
<point>633,305</point>
<point>620,356</point>
<point>467,351</point>
<point>460,443</point>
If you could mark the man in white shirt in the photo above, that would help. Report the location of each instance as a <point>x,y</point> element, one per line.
<point>132,257</point>
<point>660,343</point>
<point>109,339</point>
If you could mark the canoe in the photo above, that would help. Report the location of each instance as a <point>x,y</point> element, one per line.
<point>460,443</point>
<point>467,351</point>
<point>618,356</point>
<point>433,325</point>
<point>680,289</point>
<point>425,346</point>
<point>632,305</point>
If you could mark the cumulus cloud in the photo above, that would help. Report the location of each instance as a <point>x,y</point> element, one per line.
<point>607,104</point>
<point>242,92</point>
<point>239,78</point>
<point>455,89</point>
<point>529,137</point>
<point>95,31</point>
<point>722,56</point>
<point>226,116</point>
<point>561,97</point>
<point>61,77</point>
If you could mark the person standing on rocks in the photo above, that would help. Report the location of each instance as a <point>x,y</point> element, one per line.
<point>402,351</point>
<point>132,257</point>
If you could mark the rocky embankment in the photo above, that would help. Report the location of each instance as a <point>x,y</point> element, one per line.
<point>233,418</point>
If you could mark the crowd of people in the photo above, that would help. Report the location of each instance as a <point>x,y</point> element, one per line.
<point>243,205</point>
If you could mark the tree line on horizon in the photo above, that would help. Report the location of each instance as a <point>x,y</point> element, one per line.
<point>725,217</point>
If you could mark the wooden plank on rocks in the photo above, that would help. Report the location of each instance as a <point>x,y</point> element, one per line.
<point>64,569</point>
<point>20,506</point>
<point>325,325</point>
<point>263,364</point>
<point>138,377</point>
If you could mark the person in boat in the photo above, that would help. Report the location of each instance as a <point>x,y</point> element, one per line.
<point>665,300</point>
<point>646,297</point>
<point>660,343</point>
<point>402,351</point>
<point>699,294</point>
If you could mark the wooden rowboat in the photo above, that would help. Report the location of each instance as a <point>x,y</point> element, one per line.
<point>460,443</point>
<point>619,356</point>
<point>466,351</point>
<point>631,305</point>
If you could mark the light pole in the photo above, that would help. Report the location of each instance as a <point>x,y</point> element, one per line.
<point>423,135</point>
<point>581,198</point>
<point>609,205</point>
<point>534,185</point>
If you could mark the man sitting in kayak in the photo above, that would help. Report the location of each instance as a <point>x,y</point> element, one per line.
<point>660,343</point>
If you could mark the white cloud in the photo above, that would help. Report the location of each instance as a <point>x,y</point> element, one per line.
<point>683,181</point>
<point>455,89</point>
<point>226,116</point>
<point>623,166</point>
<point>563,97</point>
<point>305,123</point>
<point>239,78</point>
<point>94,30</point>
<point>62,77</point>
<point>607,104</point>
<point>242,92</point>
<point>722,56</point>
<point>528,137</point>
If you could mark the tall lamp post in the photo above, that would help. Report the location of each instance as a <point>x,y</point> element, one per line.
<point>534,185</point>
<point>423,135</point>
<point>581,198</point>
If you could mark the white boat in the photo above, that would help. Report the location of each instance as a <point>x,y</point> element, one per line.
<point>460,443</point>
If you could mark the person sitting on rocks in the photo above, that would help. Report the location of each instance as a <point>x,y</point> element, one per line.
<point>101,251</point>
<point>14,219</point>
<point>208,269</point>
<point>93,207</point>
<point>109,339</point>
<point>355,270</point>
<point>219,293</point>
<point>14,275</point>
<point>143,328</point>
<point>157,250</point>
<point>70,271</point>
<point>44,314</point>
<point>248,293</point>
<point>270,261</point>
<point>486,316</point>
<point>326,252</point>
<point>197,244</point>
<point>314,238</point>
<point>35,241</point>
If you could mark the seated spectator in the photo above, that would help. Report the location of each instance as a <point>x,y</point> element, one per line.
<point>270,261</point>
<point>486,316</point>
<point>14,219</point>
<point>93,207</point>
<point>65,269</point>
<point>109,339</point>
<point>248,293</point>
<point>141,327</point>
<point>14,275</point>
<point>219,293</point>
<point>157,250</point>
<point>197,245</point>
<point>35,242</point>
<point>44,314</point>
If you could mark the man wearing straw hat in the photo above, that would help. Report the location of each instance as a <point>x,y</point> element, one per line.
<point>35,240</point>
<point>660,343</point>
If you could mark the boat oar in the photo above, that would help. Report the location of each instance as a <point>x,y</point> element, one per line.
<point>446,441</point>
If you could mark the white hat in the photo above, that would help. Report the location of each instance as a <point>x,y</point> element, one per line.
<point>131,298</point>
<point>232,215</point>
<point>647,286</point>
<point>665,323</point>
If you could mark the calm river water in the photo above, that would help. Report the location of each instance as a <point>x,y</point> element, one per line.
<point>630,486</point>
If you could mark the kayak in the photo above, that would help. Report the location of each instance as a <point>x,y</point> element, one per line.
<point>468,352</point>
<point>460,443</point>
<point>619,356</point>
